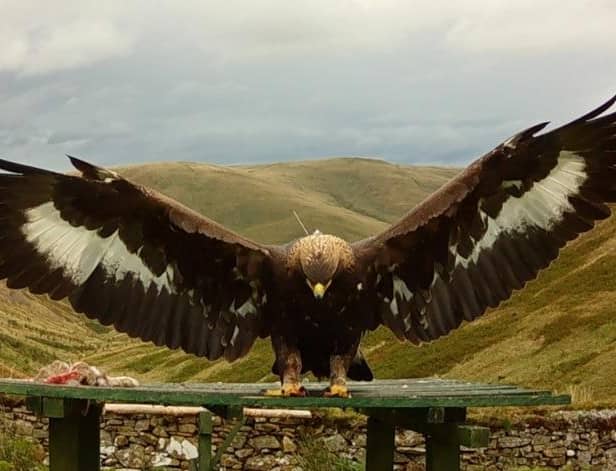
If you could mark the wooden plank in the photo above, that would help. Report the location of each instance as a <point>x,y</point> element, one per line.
<point>236,396</point>
<point>382,387</point>
<point>151,409</point>
<point>358,388</point>
<point>380,445</point>
<point>387,385</point>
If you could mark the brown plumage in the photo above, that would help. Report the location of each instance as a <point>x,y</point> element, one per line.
<point>135,259</point>
<point>320,256</point>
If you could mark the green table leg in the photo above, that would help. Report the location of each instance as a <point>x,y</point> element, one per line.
<point>74,435</point>
<point>380,445</point>
<point>205,441</point>
<point>443,448</point>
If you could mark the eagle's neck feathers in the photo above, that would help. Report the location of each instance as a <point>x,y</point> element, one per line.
<point>321,256</point>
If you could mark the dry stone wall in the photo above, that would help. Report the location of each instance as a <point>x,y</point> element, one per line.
<point>581,440</point>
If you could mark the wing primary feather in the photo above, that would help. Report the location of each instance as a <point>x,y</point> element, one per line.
<point>176,320</point>
<point>596,112</point>
<point>15,167</point>
<point>465,294</point>
<point>166,300</point>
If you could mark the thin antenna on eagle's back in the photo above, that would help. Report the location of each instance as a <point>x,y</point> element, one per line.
<point>300,222</point>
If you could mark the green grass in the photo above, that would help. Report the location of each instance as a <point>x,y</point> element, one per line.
<point>312,455</point>
<point>557,333</point>
<point>18,454</point>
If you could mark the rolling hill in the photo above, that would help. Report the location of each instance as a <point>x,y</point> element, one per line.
<point>559,332</point>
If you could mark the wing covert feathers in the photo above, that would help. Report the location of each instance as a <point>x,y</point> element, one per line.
<point>494,226</point>
<point>131,258</point>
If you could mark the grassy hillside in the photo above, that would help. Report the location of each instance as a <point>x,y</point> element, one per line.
<point>347,197</point>
<point>35,330</point>
<point>559,332</point>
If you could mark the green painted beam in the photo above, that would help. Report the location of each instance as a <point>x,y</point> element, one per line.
<point>473,436</point>
<point>205,441</point>
<point>443,448</point>
<point>380,445</point>
<point>365,395</point>
<point>74,438</point>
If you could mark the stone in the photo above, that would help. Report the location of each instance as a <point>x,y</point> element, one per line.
<point>132,458</point>
<point>288,446</point>
<point>513,442</point>
<point>142,425</point>
<point>23,428</point>
<point>555,452</point>
<point>160,431</point>
<point>413,450</point>
<point>229,461</point>
<point>182,449</point>
<point>138,440</point>
<point>239,441</point>
<point>107,450</point>
<point>266,427</point>
<point>161,459</point>
<point>399,458</point>
<point>584,457</point>
<point>335,443</point>
<point>150,439</point>
<point>265,442</point>
<point>120,441</point>
<point>360,440</point>
<point>541,440</point>
<point>244,453</point>
<point>260,463</point>
<point>570,453</point>
<point>610,453</point>
<point>189,429</point>
<point>408,438</point>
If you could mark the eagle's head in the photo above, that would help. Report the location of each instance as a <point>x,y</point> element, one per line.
<point>321,257</point>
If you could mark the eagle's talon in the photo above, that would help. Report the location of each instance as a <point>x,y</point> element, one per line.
<point>337,390</point>
<point>293,390</point>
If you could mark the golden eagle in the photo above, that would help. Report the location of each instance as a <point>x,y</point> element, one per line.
<point>135,259</point>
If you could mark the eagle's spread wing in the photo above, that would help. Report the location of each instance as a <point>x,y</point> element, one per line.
<point>131,257</point>
<point>493,227</point>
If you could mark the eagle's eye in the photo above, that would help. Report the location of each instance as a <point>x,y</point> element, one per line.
<point>318,289</point>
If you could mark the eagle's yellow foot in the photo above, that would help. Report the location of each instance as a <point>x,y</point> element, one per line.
<point>287,390</point>
<point>337,390</point>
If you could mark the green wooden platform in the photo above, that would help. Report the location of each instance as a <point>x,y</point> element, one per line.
<point>434,407</point>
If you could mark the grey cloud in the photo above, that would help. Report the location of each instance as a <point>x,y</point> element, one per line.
<point>238,82</point>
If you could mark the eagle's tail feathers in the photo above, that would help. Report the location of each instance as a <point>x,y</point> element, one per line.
<point>359,369</point>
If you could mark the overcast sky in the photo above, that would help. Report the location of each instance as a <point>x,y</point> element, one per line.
<point>231,81</point>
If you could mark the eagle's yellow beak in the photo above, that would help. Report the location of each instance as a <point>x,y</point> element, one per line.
<point>318,289</point>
